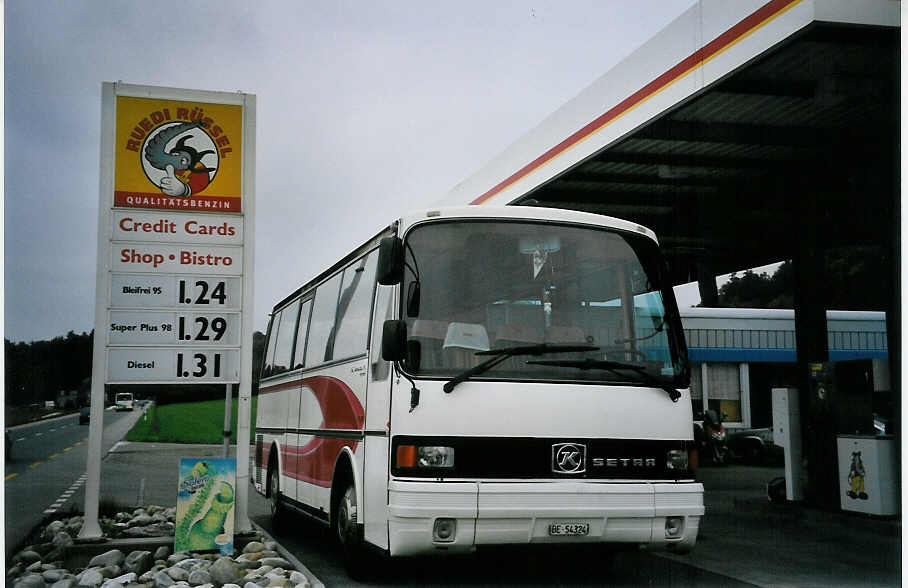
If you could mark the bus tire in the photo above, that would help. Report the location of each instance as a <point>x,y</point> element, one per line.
<point>348,531</point>
<point>274,497</point>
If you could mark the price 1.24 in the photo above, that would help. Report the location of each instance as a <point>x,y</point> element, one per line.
<point>198,365</point>
<point>202,292</point>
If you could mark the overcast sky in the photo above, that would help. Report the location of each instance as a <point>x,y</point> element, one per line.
<point>365,110</point>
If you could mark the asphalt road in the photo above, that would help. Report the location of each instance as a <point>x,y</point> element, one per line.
<point>548,566</point>
<point>47,471</point>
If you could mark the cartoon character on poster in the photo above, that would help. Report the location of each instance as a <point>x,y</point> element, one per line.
<point>205,505</point>
<point>180,158</point>
<point>856,476</point>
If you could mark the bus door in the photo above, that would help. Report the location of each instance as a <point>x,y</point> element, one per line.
<point>376,441</point>
<point>297,440</point>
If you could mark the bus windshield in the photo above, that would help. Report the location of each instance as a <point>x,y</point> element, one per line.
<point>472,287</point>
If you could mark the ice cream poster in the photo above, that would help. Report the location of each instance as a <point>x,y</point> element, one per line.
<point>205,505</point>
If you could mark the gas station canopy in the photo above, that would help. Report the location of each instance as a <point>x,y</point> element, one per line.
<point>740,133</point>
<point>721,177</point>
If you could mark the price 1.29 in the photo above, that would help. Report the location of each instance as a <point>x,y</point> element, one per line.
<point>201,328</point>
<point>198,365</point>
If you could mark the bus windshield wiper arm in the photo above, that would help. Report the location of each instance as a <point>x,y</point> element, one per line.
<point>499,355</point>
<point>612,366</point>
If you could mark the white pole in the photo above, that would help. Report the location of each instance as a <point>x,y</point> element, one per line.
<point>227,407</point>
<point>90,526</point>
<point>244,402</point>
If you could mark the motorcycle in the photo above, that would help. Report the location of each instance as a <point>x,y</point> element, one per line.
<point>711,438</point>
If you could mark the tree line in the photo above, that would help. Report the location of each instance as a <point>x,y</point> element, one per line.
<point>38,371</point>
<point>855,278</point>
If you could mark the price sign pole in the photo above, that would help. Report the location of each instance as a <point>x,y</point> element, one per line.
<point>175,254</point>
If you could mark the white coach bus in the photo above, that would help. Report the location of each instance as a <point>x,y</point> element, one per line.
<point>479,376</point>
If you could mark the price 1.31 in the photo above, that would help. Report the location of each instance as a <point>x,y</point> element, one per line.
<point>198,365</point>
<point>172,365</point>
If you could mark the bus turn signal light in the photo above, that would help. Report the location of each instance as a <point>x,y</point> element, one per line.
<point>406,456</point>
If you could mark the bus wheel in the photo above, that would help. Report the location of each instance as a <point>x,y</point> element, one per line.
<point>347,530</point>
<point>274,502</point>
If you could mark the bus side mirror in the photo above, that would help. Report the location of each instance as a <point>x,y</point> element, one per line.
<point>390,261</point>
<point>394,340</point>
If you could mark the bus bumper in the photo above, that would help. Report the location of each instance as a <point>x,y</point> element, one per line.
<point>657,515</point>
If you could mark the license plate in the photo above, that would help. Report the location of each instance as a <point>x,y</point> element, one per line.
<point>569,529</point>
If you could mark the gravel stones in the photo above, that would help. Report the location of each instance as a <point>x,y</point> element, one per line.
<point>199,577</point>
<point>138,562</point>
<point>177,558</point>
<point>54,575</point>
<point>41,565</point>
<point>178,574</point>
<point>224,571</point>
<point>162,580</point>
<point>91,577</point>
<point>29,557</point>
<point>254,547</point>
<point>30,581</point>
<point>114,557</point>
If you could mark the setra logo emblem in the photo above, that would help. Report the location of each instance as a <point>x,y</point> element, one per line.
<point>568,458</point>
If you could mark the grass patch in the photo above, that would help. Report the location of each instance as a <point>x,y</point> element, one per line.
<point>188,422</point>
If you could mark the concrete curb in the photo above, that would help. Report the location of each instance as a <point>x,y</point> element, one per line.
<point>316,583</point>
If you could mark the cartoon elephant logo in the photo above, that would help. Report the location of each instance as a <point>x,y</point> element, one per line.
<point>856,476</point>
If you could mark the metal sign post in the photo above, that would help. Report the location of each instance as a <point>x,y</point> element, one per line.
<point>175,223</point>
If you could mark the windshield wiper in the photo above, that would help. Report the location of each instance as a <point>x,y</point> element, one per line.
<point>612,366</point>
<point>499,355</point>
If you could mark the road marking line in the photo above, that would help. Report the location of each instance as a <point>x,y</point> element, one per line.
<point>11,476</point>
<point>53,455</point>
<point>52,430</point>
<point>77,443</point>
<point>50,511</point>
<point>21,439</point>
<point>38,434</point>
<point>36,464</point>
<point>65,449</point>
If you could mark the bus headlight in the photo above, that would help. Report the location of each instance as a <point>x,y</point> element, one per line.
<point>677,459</point>
<point>429,456</point>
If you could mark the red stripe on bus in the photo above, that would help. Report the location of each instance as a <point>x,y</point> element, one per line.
<point>341,409</point>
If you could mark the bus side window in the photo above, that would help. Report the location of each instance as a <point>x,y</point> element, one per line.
<point>383,312</point>
<point>268,361</point>
<point>351,327</point>
<point>285,336</point>
<point>301,330</point>
<point>320,325</point>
